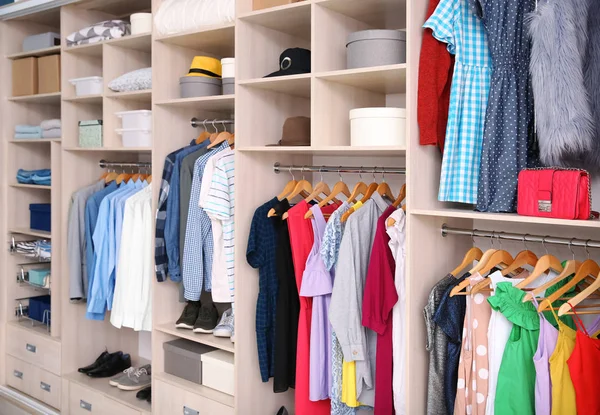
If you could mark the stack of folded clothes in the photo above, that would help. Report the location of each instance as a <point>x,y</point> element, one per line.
<point>39,177</point>
<point>27,131</point>
<point>41,249</point>
<point>106,30</point>
<point>51,129</point>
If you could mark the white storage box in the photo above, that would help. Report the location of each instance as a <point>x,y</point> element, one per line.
<point>141,23</point>
<point>217,371</point>
<point>135,137</point>
<point>92,85</point>
<point>228,68</point>
<point>140,120</point>
<point>376,127</point>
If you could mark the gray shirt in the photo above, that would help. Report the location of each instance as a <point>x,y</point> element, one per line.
<point>345,312</point>
<point>437,344</point>
<point>76,245</point>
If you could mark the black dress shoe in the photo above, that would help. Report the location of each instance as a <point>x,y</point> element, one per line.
<point>144,394</point>
<point>115,364</point>
<point>99,361</point>
<point>282,411</point>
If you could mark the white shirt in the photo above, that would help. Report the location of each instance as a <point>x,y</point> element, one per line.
<point>397,234</point>
<point>219,206</point>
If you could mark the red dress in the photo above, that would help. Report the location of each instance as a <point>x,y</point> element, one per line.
<point>436,66</point>
<point>584,368</point>
<point>302,239</point>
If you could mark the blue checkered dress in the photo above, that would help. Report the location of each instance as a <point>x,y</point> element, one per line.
<point>454,23</point>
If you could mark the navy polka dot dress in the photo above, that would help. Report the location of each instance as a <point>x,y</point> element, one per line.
<point>509,140</point>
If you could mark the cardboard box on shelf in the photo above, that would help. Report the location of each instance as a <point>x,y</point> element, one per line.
<point>49,74</point>
<point>265,4</point>
<point>25,77</point>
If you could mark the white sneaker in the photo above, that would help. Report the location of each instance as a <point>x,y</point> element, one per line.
<point>225,326</point>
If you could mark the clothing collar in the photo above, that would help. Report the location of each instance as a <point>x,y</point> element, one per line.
<point>378,200</point>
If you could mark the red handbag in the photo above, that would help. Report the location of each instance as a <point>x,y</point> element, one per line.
<point>555,193</point>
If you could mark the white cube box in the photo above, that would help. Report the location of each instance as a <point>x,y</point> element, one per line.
<point>377,127</point>
<point>135,137</point>
<point>140,119</point>
<point>217,371</point>
<point>91,85</point>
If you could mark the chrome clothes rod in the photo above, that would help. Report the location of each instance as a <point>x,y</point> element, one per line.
<point>105,164</point>
<point>278,168</point>
<point>519,237</point>
<point>196,122</point>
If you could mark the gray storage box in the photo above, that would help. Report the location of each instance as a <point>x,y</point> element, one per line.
<point>41,41</point>
<point>182,359</point>
<point>228,86</point>
<point>199,86</point>
<point>90,133</point>
<point>375,48</point>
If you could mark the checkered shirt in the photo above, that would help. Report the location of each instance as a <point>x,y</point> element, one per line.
<point>455,24</point>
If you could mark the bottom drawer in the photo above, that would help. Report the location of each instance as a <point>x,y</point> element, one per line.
<point>33,381</point>
<point>84,401</point>
<point>169,399</point>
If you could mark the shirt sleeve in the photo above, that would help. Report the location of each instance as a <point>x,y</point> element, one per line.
<point>206,182</point>
<point>344,310</point>
<point>380,292</point>
<point>97,299</point>
<point>219,203</point>
<point>74,251</point>
<point>255,255</point>
<point>442,23</point>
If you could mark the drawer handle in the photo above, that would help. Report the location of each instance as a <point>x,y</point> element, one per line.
<point>189,411</point>
<point>31,348</point>
<point>87,406</point>
<point>45,386</point>
<point>18,374</point>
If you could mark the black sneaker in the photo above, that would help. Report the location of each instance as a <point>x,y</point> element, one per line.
<point>207,320</point>
<point>144,394</point>
<point>189,315</point>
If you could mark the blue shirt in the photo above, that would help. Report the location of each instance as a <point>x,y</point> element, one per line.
<point>92,208</point>
<point>172,219</point>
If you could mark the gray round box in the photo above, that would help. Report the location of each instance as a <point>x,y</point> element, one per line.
<point>199,86</point>
<point>375,48</point>
<point>228,86</point>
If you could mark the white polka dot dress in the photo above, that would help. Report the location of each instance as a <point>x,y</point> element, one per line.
<point>509,143</point>
<point>472,385</point>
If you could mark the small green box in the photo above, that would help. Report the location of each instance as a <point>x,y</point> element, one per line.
<point>90,133</point>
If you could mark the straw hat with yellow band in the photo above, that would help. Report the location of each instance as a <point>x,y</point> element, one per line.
<point>205,66</point>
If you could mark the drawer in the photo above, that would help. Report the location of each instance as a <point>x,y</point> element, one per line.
<point>169,399</point>
<point>83,401</point>
<point>33,348</point>
<point>111,407</point>
<point>19,375</point>
<point>46,387</point>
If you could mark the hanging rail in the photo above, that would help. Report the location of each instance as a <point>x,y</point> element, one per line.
<point>278,168</point>
<point>196,122</point>
<point>105,164</point>
<point>446,230</point>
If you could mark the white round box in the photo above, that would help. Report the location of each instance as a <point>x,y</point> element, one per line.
<point>228,67</point>
<point>141,23</point>
<point>377,127</point>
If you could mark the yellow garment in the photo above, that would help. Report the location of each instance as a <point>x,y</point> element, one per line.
<point>349,385</point>
<point>357,205</point>
<point>595,336</point>
<point>563,392</point>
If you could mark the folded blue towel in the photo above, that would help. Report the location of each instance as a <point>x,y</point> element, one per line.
<point>41,181</point>
<point>34,176</point>
<point>28,129</point>
<point>26,136</point>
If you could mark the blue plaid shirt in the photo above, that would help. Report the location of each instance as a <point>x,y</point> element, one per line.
<point>198,249</point>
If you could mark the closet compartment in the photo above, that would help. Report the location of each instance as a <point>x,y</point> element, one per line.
<point>35,382</point>
<point>173,397</point>
<point>103,399</point>
<point>36,349</point>
<point>74,113</point>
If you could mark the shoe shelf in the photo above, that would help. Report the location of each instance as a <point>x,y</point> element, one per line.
<point>207,339</point>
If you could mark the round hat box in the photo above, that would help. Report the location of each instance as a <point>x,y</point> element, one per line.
<point>377,127</point>
<point>375,48</point>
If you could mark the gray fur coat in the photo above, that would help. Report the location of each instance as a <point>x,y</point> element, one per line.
<point>591,70</point>
<point>563,110</point>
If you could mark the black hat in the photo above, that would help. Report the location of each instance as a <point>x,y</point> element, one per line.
<point>293,61</point>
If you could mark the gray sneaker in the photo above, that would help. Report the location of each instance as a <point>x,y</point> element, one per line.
<point>115,380</point>
<point>137,380</point>
<point>225,326</point>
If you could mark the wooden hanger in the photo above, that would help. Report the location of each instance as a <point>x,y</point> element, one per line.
<point>544,264</point>
<point>473,254</point>
<point>590,290</point>
<point>203,135</point>
<point>303,188</point>
<point>289,187</point>
<point>372,188</point>
<point>221,138</point>
<point>391,221</point>
<point>123,177</point>
<point>587,268</point>
<point>359,189</point>
<point>384,189</point>
<point>339,187</point>
<point>111,177</point>
<point>525,257</point>
<point>499,257</point>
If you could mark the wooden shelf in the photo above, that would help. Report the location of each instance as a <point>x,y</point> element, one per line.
<point>33,140</point>
<point>31,232</point>
<point>111,149</point>
<point>207,339</point>
<point>341,151</point>
<point>192,387</point>
<point>379,14</point>
<point>94,99</point>
<point>101,386</point>
<point>214,102</point>
<point>53,98</point>
<point>293,19</point>
<point>388,79</point>
<point>141,42</point>
<point>91,49</point>
<point>297,85</point>
<point>218,40</point>
<point>505,217</point>
<point>145,95</point>
<point>30,186</point>
<point>35,53</point>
